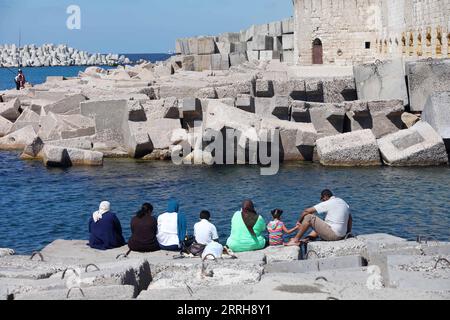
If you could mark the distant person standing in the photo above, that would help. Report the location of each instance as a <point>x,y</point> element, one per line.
<point>20,80</point>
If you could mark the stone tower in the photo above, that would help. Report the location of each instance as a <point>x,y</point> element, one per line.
<point>345,32</point>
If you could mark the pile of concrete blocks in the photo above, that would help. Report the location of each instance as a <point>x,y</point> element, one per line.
<point>288,41</point>
<point>266,42</point>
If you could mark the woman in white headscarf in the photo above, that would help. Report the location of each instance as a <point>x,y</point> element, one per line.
<point>105,229</point>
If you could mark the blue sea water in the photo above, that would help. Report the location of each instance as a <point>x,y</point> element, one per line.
<point>39,205</point>
<point>39,75</point>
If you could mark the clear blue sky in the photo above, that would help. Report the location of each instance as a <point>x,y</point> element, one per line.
<point>135,26</point>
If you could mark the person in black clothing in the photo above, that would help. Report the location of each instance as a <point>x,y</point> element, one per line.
<point>144,228</point>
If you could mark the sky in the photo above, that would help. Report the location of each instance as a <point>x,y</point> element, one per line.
<point>134,26</point>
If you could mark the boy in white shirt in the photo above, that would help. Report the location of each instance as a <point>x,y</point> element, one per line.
<point>204,231</point>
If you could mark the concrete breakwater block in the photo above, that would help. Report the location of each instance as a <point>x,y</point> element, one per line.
<point>11,287</point>
<point>129,272</point>
<point>277,254</point>
<point>420,145</point>
<point>425,78</point>
<point>106,293</point>
<point>19,139</point>
<point>5,126</point>
<point>109,116</point>
<point>211,273</point>
<point>53,156</point>
<point>27,118</point>
<point>437,114</point>
<point>383,80</point>
<point>10,110</point>
<point>21,267</point>
<point>328,119</point>
<point>68,105</point>
<point>357,148</point>
<point>315,265</point>
<point>382,117</point>
<point>55,126</point>
<point>349,247</point>
<point>419,272</point>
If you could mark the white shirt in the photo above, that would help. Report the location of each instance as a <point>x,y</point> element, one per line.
<point>168,229</point>
<point>205,232</point>
<point>338,214</point>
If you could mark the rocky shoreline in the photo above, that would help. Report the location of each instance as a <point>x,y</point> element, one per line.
<point>49,55</point>
<point>376,266</point>
<point>368,117</point>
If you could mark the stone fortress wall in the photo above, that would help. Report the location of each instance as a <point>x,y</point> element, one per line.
<point>365,30</point>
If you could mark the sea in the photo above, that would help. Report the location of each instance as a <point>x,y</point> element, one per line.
<point>39,75</point>
<point>39,205</point>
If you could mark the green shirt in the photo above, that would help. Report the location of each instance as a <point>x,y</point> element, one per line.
<point>241,239</point>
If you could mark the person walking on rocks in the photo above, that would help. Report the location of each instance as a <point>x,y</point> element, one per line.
<point>172,227</point>
<point>105,229</point>
<point>20,80</point>
<point>338,221</point>
<point>144,228</point>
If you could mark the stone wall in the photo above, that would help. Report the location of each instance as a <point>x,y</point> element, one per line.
<point>364,30</point>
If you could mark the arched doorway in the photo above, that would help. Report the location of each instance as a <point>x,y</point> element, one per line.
<point>317,52</point>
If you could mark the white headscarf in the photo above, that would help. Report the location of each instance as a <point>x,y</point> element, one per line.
<point>105,206</point>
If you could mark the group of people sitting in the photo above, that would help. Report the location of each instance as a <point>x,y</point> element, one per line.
<point>248,229</point>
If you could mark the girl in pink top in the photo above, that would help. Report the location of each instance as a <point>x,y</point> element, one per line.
<point>277,229</point>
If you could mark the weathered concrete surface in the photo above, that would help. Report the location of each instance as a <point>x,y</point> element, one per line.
<point>425,78</point>
<point>297,140</point>
<point>10,110</point>
<point>352,149</point>
<point>339,90</point>
<point>437,114</point>
<point>420,145</point>
<point>212,273</point>
<point>18,140</point>
<point>328,119</point>
<point>57,127</point>
<point>26,118</point>
<point>316,265</point>
<point>386,116</point>
<point>276,254</point>
<point>349,284</point>
<point>68,105</point>
<point>21,267</point>
<point>106,293</point>
<point>381,81</point>
<point>137,140</point>
<point>5,126</point>
<point>54,156</point>
<point>349,247</point>
<point>109,118</point>
<point>419,272</point>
